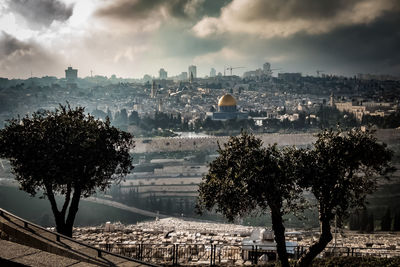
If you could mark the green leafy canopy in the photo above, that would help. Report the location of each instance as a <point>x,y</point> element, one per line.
<point>247,176</point>
<point>65,148</point>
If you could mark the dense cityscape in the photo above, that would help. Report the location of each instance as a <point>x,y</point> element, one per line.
<point>160,106</point>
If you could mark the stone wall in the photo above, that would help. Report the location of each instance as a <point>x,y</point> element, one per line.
<point>144,145</point>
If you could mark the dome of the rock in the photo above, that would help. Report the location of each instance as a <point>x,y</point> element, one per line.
<point>227,101</point>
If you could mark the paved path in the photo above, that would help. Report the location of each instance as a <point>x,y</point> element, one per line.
<point>33,245</point>
<point>19,255</point>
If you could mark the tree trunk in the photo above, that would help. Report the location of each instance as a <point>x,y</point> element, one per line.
<point>73,209</point>
<point>319,246</point>
<point>58,217</point>
<point>279,232</point>
<point>64,226</point>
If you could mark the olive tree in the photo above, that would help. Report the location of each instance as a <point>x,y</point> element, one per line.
<point>340,171</point>
<point>65,152</point>
<point>248,177</point>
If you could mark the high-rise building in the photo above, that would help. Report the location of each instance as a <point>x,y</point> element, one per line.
<point>192,71</point>
<point>267,69</point>
<point>163,74</point>
<point>71,75</point>
<point>213,72</point>
<point>183,76</point>
<point>191,78</point>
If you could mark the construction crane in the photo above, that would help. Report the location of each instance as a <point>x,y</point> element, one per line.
<point>232,68</point>
<point>319,71</point>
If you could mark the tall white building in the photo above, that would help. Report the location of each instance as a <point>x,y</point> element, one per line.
<point>192,71</point>
<point>213,72</point>
<point>163,74</point>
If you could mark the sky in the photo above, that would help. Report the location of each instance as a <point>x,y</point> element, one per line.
<point>130,38</point>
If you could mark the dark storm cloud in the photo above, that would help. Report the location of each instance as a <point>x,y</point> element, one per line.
<point>10,45</point>
<point>41,13</point>
<point>180,43</point>
<point>126,9</point>
<point>372,47</point>
<point>292,9</point>
<point>364,48</point>
<point>141,9</point>
<point>272,18</point>
<point>22,57</point>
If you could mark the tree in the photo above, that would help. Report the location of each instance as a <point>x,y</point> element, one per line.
<point>248,177</point>
<point>121,117</point>
<point>65,152</point>
<point>396,223</point>
<point>370,225</point>
<point>344,168</point>
<point>354,222</point>
<point>109,114</point>
<point>386,222</point>
<point>364,220</point>
<point>134,118</point>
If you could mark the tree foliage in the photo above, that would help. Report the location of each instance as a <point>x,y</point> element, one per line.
<point>340,170</point>
<point>396,222</point>
<point>65,152</point>
<point>386,222</point>
<point>248,177</point>
<point>343,170</point>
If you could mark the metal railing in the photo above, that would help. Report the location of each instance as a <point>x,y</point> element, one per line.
<point>178,254</point>
<point>60,237</point>
<point>212,254</point>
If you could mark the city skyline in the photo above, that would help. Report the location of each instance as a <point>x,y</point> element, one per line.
<point>133,38</point>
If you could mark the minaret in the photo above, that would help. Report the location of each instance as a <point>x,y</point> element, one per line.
<point>160,105</point>
<point>332,100</point>
<point>153,91</point>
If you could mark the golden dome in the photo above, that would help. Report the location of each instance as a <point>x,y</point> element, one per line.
<point>227,100</point>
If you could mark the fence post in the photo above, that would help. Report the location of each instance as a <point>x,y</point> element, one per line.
<point>252,255</point>
<point>141,251</point>
<point>176,254</point>
<point>256,255</point>
<point>215,251</point>
<point>58,237</point>
<point>219,255</point>
<point>173,254</point>
<point>211,255</point>
<point>98,253</point>
<point>352,252</point>
<point>348,252</point>
<point>298,252</point>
